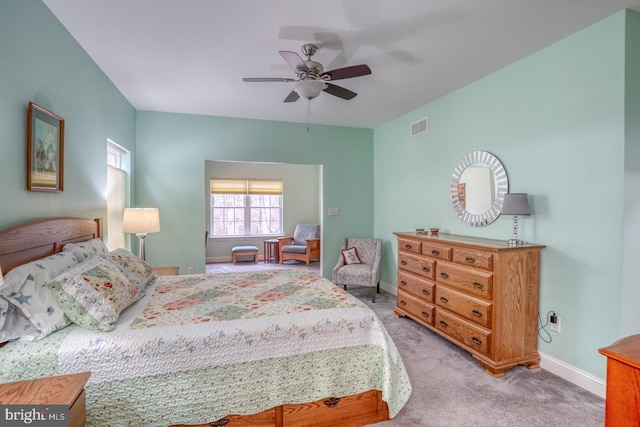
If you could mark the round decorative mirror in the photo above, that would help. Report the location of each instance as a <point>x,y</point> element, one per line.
<point>478,186</point>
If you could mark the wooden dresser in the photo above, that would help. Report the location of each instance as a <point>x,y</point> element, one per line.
<point>480,294</point>
<point>623,382</point>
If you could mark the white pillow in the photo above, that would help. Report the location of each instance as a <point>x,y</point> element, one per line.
<point>14,324</point>
<point>23,288</point>
<point>85,250</point>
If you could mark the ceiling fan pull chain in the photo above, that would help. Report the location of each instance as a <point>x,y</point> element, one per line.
<point>308,112</point>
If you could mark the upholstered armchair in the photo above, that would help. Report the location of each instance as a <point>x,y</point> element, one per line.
<point>361,266</point>
<point>304,245</point>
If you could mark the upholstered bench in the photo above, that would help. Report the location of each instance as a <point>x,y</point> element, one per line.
<point>244,250</point>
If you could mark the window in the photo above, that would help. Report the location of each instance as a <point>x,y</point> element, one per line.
<point>117,189</point>
<point>246,207</point>
<point>114,155</point>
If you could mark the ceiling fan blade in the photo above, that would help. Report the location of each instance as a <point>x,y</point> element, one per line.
<point>348,72</point>
<point>292,97</point>
<point>267,79</point>
<point>339,91</point>
<point>294,60</point>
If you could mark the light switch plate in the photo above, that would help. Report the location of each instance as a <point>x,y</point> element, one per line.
<point>334,211</point>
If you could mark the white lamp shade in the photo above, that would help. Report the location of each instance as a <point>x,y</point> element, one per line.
<point>516,204</point>
<point>141,220</point>
<point>310,89</point>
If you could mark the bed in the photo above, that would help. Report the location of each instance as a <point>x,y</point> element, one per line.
<point>269,348</point>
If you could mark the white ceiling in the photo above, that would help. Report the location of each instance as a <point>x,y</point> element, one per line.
<point>189,56</point>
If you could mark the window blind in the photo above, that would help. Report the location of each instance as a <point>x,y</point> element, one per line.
<point>246,186</point>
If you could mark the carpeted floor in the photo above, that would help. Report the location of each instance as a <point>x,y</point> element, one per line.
<point>451,389</point>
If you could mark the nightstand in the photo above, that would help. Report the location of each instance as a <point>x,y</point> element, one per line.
<point>166,271</point>
<point>59,390</point>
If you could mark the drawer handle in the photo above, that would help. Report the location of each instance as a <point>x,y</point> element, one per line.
<point>407,246</point>
<point>477,285</point>
<point>470,259</point>
<point>435,252</point>
<point>426,269</point>
<point>443,324</point>
<point>403,282</point>
<point>403,262</point>
<point>443,299</point>
<point>403,302</point>
<point>425,314</point>
<point>476,313</point>
<point>220,422</point>
<point>332,402</point>
<point>476,340</point>
<point>426,292</point>
<point>444,275</point>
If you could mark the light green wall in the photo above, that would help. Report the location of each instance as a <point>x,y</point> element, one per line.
<point>171,149</point>
<point>630,314</point>
<point>556,120</point>
<point>301,199</point>
<point>41,62</point>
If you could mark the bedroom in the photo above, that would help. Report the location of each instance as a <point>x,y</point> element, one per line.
<point>571,109</point>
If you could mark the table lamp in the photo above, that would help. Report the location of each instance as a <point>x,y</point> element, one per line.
<point>515,204</point>
<point>141,221</point>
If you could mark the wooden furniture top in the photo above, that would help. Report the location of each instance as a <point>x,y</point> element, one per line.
<point>37,239</point>
<point>625,350</point>
<point>58,390</point>
<point>166,271</point>
<point>477,242</point>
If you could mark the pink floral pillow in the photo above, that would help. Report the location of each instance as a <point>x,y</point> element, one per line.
<point>350,256</point>
<point>93,293</point>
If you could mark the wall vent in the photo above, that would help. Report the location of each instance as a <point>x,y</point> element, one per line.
<point>421,126</point>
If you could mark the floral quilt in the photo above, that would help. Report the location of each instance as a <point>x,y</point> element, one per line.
<point>199,347</point>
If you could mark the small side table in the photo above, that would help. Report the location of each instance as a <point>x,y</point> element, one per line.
<point>271,254</point>
<point>166,271</point>
<point>58,390</point>
<point>623,382</point>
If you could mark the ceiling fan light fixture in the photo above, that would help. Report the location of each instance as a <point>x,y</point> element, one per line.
<point>309,89</point>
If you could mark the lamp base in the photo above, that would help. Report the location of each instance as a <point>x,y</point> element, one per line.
<point>141,254</point>
<point>515,242</point>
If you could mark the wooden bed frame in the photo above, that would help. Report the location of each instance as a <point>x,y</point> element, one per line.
<point>37,239</point>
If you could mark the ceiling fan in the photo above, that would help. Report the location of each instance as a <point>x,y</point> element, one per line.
<point>311,79</point>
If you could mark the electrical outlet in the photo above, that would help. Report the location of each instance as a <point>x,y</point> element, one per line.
<point>189,270</point>
<point>555,326</point>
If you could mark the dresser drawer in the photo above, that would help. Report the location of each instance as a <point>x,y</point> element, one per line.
<point>423,266</point>
<point>409,245</point>
<point>474,282</point>
<point>473,337</point>
<point>437,251</point>
<point>419,287</point>
<point>415,307</point>
<point>474,309</point>
<point>477,259</point>
<point>331,411</point>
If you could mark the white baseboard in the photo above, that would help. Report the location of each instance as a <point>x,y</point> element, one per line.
<point>574,375</point>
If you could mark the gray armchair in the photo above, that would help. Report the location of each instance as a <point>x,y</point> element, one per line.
<point>303,246</point>
<point>365,274</point>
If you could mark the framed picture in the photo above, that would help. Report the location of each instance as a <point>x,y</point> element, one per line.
<point>45,152</point>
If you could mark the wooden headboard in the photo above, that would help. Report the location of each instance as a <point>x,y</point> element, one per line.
<point>37,239</point>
